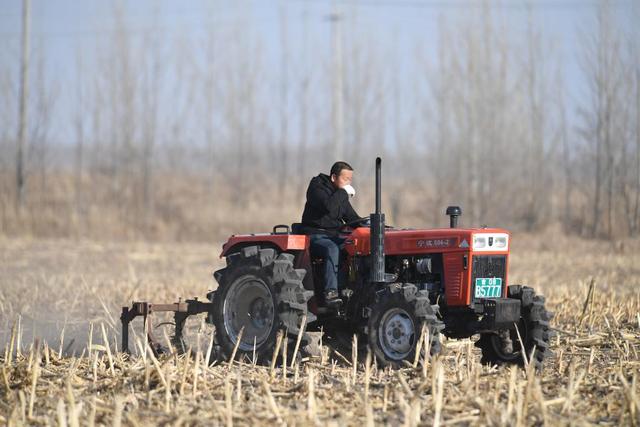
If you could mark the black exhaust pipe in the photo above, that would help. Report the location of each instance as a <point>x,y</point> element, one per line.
<point>454,212</point>
<point>377,232</point>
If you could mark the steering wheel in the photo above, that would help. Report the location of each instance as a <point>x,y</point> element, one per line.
<point>360,222</point>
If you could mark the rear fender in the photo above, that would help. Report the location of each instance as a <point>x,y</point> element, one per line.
<point>280,242</point>
<point>295,244</point>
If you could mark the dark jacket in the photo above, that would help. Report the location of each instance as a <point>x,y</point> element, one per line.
<point>327,209</point>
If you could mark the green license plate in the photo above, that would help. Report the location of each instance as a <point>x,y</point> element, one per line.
<point>490,287</point>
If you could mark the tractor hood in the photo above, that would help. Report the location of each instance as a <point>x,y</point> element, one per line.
<point>413,241</point>
<point>396,241</point>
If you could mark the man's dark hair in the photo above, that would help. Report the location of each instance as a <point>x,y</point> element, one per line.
<point>337,168</point>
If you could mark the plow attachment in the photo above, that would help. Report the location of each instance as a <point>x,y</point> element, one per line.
<point>181,310</point>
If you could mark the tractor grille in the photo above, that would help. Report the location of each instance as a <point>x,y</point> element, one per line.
<point>485,266</point>
<point>453,276</point>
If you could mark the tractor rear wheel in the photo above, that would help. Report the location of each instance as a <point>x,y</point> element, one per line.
<point>396,322</point>
<point>533,329</point>
<point>259,293</point>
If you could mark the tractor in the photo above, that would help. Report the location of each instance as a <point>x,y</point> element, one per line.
<point>397,287</point>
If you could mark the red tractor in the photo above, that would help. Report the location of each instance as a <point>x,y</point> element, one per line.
<point>394,283</point>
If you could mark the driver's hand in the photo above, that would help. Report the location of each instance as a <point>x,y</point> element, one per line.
<point>350,190</point>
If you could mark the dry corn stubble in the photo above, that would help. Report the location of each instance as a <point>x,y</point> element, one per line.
<point>77,377</point>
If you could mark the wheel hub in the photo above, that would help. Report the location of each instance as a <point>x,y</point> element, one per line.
<point>396,333</point>
<point>249,308</point>
<point>506,350</point>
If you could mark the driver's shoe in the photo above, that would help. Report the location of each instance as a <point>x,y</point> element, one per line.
<point>332,298</point>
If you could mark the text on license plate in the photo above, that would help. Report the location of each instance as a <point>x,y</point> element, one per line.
<point>490,287</point>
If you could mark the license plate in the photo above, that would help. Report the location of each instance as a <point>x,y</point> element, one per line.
<point>490,287</point>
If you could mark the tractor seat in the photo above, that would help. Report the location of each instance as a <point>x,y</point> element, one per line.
<point>297,228</point>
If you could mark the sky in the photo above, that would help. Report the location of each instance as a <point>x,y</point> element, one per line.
<point>64,27</point>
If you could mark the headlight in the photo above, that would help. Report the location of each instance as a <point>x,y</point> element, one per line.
<point>500,242</point>
<point>479,241</point>
<point>491,242</point>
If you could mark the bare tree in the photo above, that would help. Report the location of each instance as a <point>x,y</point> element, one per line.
<point>23,108</point>
<point>242,116</point>
<point>337,83</point>
<point>284,102</point>
<point>566,215</point>
<point>364,89</point>
<point>151,94</point>
<point>303,103</point>
<point>209,78</point>
<point>472,113</point>
<point>535,160</point>
<point>43,102</point>
<point>602,64</point>
<point>629,186</point>
<point>8,96</point>
<point>79,122</point>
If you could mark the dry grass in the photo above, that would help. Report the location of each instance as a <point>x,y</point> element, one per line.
<point>68,294</point>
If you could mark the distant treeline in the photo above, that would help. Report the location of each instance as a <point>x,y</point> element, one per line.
<point>197,139</point>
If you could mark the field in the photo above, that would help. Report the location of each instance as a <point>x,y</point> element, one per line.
<point>59,300</point>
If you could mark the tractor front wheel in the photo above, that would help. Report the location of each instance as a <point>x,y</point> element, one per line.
<point>532,332</point>
<point>396,322</point>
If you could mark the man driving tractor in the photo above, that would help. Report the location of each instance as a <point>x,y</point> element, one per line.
<point>326,210</point>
